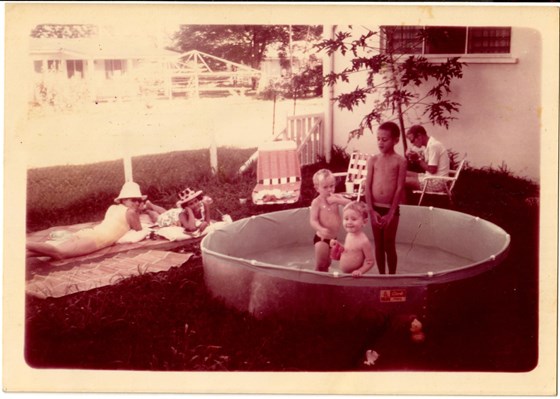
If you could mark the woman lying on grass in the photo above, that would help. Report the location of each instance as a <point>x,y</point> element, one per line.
<point>119,219</point>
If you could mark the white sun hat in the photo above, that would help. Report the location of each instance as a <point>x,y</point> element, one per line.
<point>130,190</point>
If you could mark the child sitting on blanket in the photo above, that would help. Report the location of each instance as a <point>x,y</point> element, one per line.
<point>196,210</point>
<point>192,212</point>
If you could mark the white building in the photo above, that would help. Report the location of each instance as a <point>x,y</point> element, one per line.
<point>107,66</point>
<point>499,121</point>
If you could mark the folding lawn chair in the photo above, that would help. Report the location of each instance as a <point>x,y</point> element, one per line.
<point>440,185</point>
<point>355,176</point>
<point>278,174</point>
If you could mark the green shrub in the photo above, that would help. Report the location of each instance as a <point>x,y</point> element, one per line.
<point>55,92</point>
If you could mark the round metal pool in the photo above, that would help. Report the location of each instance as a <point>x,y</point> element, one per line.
<point>265,264</point>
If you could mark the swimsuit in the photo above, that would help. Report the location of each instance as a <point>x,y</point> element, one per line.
<point>383,210</point>
<point>169,218</point>
<point>113,227</point>
<point>317,239</point>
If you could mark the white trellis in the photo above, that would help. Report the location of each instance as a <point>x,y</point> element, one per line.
<point>195,72</point>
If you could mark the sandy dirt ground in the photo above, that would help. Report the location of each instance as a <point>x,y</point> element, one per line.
<point>109,131</point>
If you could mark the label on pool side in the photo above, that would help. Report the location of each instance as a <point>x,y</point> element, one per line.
<point>396,295</point>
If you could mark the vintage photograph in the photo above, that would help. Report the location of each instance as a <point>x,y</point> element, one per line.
<point>357,191</point>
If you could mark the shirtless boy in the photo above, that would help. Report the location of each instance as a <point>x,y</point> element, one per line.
<point>386,175</point>
<point>325,217</point>
<point>357,255</point>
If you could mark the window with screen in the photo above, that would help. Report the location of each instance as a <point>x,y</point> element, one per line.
<point>53,65</point>
<point>113,68</point>
<point>489,40</point>
<point>402,39</point>
<point>445,40</point>
<point>75,68</point>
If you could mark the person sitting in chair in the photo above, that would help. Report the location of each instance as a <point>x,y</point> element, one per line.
<point>434,160</point>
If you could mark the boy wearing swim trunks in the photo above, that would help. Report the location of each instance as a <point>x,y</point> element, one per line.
<point>385,180</point>
<point>325,217</point>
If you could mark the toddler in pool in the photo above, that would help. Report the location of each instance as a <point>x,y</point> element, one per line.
<point>356,256</point>
<point>324,216</point>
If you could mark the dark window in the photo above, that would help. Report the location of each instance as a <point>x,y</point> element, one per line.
<point>38,66</point>
<point>445,40</point>
<point>489,40</point>
<point>75,68</point>
<point>53,65</point>
<point>113,68</point>
<point>402,39</point>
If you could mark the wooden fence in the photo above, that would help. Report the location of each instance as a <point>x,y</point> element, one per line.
<point>308,132</point>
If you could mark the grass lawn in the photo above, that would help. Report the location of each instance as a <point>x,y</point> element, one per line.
<point>169,321</point>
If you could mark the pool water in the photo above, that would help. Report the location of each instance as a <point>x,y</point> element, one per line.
<point>412,258</point>
<point>265,265</point>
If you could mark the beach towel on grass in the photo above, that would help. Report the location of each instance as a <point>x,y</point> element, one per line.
<point>47,281</point>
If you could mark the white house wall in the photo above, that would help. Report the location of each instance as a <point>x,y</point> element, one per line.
<point>498,123</point>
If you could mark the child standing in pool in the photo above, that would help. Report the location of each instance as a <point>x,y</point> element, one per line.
<point>325,217</point>
<point>356,256</point>
<point>386,175</point>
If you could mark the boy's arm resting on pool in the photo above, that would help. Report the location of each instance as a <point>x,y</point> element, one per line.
<point>369,260</point>
<point>133,219</point>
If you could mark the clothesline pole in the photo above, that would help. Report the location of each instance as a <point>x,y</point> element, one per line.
<point>127,161</point>
<point>211,129</point>
<point>213,149</point>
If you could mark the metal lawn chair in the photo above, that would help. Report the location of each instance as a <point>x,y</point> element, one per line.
<point>355,177</point>
<point>278,174</point>
<point>443,189</point>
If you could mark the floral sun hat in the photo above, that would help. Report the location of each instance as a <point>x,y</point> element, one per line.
<point>187,195</point>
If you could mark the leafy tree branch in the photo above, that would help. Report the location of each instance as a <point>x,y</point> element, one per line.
<point>394,79</point>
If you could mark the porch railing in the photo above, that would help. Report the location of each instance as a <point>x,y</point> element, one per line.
<point>307,131</point>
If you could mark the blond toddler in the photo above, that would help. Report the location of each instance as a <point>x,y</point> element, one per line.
<point>325,217</point>
<point>357,254</point>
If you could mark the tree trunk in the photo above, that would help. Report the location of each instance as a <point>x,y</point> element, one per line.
<point>399,104</point>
